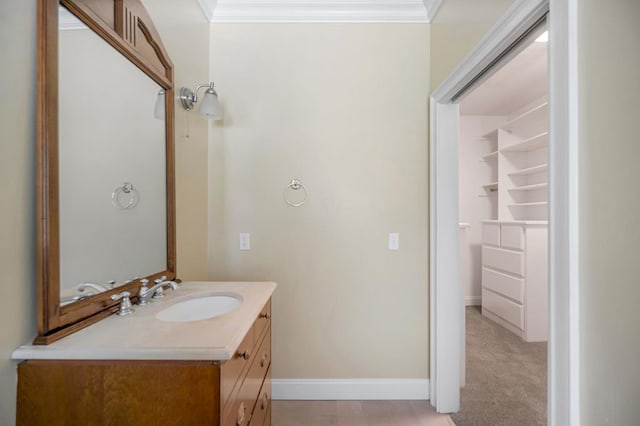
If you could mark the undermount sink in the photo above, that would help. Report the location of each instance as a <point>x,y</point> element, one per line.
<point>200,308</point>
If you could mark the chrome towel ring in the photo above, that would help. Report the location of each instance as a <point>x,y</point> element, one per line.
<point>295,185</point>
<point>125,197</point>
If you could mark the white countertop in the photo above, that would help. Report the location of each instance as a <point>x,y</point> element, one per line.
<point>141,336</point>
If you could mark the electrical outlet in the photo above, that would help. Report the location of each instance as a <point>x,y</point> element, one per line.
<point>394,241</point>
<point>245,241</point>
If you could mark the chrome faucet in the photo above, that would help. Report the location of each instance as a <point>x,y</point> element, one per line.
<point>156,291</point>
<point>97,287</point>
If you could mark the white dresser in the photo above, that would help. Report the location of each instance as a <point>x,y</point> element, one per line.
<point>514,276</point>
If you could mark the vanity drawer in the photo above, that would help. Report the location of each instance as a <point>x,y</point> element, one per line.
<point>504,308</point>
<point>491,234</point>
<point>504,284</point>
<point>504,260</point>
<point>262,322</point>
<point>233,369</point>
<point>241,405</point>
<point>512,236</point>
<point>263,405</point>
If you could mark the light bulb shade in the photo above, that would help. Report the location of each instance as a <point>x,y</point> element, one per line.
<point>158,111</point>
<point>210,106</point>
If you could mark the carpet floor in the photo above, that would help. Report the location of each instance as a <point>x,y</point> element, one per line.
<point>506,382</point>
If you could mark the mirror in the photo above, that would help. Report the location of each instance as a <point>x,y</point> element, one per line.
<point>111,156</point>
<point>105,160</point>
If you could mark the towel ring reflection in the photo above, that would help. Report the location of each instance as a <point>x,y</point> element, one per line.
<point>125,197</point>
<point>295,185</point>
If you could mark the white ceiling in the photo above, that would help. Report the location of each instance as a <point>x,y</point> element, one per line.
<point>408,11</point>
<point>520,82</point>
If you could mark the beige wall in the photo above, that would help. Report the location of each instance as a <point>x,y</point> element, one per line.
<point>185,33</point>
<point>17,192</point>
<point>457,28</point>
<point>609,208</point>
<point>344,109</point>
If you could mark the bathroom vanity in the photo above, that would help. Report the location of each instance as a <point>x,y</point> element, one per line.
<point>140,370</point>
<point>195,353</point>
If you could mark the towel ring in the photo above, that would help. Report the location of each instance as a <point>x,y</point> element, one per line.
<point>295,185</point>
<point>130,192</point>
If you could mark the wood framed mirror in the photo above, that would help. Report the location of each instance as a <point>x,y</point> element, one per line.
<point>105,160</point>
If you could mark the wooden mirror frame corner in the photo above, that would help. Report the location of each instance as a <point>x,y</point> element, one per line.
<point>126,26</point>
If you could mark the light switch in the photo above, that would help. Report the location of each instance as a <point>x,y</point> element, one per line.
<point>245,241</point>
<point>394,241</point>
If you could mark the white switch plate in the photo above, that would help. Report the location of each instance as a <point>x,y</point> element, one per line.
<point>394,241</point>
<point>245,241</point>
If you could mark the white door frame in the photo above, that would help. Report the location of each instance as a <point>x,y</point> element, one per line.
<point>445,288</point>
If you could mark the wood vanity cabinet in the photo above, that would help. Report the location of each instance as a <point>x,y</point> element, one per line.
<point>236,392</point>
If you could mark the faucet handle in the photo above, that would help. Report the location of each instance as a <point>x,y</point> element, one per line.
<point>112,283</point>
<point>125,303</point>
<point>142,294</point>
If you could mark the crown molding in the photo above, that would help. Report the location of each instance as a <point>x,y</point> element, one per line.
<point>432,7</point>
<point>316,11</point>
<point>207,6</point>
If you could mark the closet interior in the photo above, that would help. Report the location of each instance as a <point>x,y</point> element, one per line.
<point>504,195</point>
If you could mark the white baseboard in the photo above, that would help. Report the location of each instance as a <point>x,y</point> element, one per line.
<point>473,300</point>
<point>350,389</point>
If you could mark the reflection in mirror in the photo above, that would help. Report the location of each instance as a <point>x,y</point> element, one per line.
<point>112,156</point>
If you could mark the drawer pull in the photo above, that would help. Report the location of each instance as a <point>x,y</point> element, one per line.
<point>244,355</point>
<point>241,413</point>
<point>264,359</point>
<point>265,401</point>
<point>265,316</point>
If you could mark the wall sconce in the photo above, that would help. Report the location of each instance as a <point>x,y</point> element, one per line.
<point>158,111</point>
<point>210,106</point>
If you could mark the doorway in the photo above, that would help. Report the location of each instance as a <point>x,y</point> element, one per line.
<point>503,203</point>
<point>445,289</point>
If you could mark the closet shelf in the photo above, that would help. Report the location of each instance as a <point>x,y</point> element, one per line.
<point>531,144</point>
<point>538,112</point>
<point>530,187</point>
<point>490,156</point>
<point>491,136</point>
<point>493,186</point>
<point>530,170</point>
<point>536,204</point>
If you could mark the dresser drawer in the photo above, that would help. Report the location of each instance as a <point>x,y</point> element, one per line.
<point>503,284</point>
<point>504,260</point>
<point>243,400</point>
<point>232,370</point>
<point>263,405</point>
<point>263,321</point>
<point>512,237</point>
<point>504,308</point>
<point>491,234</point>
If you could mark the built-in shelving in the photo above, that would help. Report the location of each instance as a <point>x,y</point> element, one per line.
<point>533,187</point>
<point>490,156</point>
<point>493,186</point>
<point>534,114</point>
<point>530,170</point>
<point>516,155</point>
<point>535,204</point>
<point>535,142</point>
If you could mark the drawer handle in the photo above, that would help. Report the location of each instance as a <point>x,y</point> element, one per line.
<point>244,355</point>
<point>265,316</point>
<point>241,413</point>
<point>265,401</point>
<point>264,359</point>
